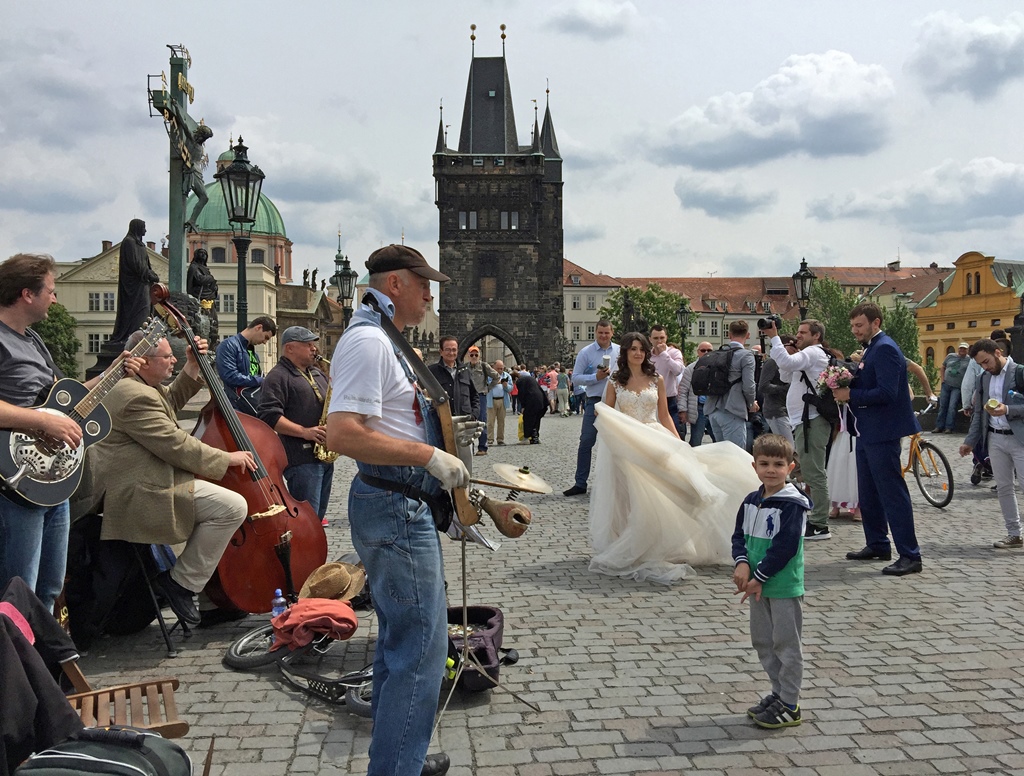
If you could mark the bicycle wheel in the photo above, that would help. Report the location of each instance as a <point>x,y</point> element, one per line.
<point>252,650</point>
<point>933,474</point>
<point>358,699</point>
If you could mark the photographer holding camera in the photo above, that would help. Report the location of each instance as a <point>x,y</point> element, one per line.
<point>810,431</point>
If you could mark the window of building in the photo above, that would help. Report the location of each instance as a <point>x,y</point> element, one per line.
<point>218,256</point>
<point>109,302</point>
<point>970,284</point>
<point>949,349</point>
<point>714,328</point>
<point>499,161</point>
<point>576,302</point>
<point>467,219</point>
<point>488,267</point>
<point>509,219</point>
<point>977,282</point>
<point>702,328</point>
<point>591,330</point>
<point>713,304</point>
<point>591,302</point>
<point>929,355</point>
<point>951,325</point>
<point>574,279</point>
<point>258,256</point>
<point>94,303</point>
<point>227,303</point>
<point>575,331</point>
<point>972,324</point>
<point>996,322</point>
<point>929,327</point>
<point>94,343</point>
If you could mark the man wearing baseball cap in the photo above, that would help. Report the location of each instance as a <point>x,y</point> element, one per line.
<point>483,376</point>
<point>377,417</point>
<point>292,403</point>
<point>954,367</point>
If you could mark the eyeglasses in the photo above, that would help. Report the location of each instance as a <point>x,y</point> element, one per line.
<point>474,355</point>
<point>704,350</point>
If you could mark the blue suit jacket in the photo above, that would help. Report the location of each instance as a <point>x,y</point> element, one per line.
<point>880,395</point>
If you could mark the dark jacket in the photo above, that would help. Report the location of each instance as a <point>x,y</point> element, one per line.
<point>879,394</point>
<point>464,397</point>
<point>287,393</point>
<point>530,394</point>
<point>773,389</point>
<point>233,366</point>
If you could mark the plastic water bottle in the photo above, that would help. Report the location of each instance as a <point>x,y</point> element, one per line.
<point>278,605</point>
<point>1014,395</point>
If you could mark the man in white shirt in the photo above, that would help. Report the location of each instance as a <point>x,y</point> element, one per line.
<point>379,418</point>
<point>669,363</point>
<point>1001,427</point>
<point>810,431</point>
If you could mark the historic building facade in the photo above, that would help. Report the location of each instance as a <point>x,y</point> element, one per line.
<point>500,223</point>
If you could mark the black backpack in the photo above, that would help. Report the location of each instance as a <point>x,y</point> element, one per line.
<point>113,751</point>
<point>825,405</point>
<point>711,373</point>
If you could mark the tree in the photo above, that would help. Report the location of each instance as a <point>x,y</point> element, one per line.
<point>654,304</point>
<point>900,324</point>
<point>58,333</point>
<point>831,305</point>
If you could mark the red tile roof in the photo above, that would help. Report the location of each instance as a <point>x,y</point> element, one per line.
<point>587,278</point>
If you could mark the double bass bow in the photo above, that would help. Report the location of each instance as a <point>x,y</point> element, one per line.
<point>281,541</point>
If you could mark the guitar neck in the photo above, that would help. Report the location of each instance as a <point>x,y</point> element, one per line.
<point>110,378</point>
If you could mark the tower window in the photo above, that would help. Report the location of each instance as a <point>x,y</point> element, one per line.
<point>258,256</point>
<point>499,161</point>
<point>218,256</point>
<point>467,219</point>
<point>478,162</point>
<point>509,219</point>
<point>488,278</point>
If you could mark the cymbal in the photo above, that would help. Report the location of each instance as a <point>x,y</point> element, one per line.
<point>521,475</point>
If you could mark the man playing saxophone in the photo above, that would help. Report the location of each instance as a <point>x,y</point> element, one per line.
<point>293,404</point>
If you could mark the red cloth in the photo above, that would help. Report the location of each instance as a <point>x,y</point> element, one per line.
<point>19,620</point>
<point>298,625</point>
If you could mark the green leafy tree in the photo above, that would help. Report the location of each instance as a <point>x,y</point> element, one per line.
<point>831,305</point>
<point>58,333</point>
<point>900,324</point>
<point>654,304</point>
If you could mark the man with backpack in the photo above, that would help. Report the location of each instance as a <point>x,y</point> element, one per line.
<point>811,431</point>
<point>726,377</point>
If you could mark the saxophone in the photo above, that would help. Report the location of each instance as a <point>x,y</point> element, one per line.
<point>321,452</point>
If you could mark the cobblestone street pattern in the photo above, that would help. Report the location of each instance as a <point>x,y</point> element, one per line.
<point>912,675</point>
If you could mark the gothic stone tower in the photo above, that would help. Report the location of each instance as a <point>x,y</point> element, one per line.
<point>500,236</point>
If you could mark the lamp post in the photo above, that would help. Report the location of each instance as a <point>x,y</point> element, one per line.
<point>241,182</point>
<point>345,279</point>
<point>684,316</point>
<point>802,282</point>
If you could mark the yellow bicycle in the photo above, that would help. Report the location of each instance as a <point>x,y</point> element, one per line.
<point>931,469</point>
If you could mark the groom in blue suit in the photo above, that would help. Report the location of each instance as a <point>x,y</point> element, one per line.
<point>880,398</point>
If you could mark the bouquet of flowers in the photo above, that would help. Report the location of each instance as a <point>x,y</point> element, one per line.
<point>834,377</point>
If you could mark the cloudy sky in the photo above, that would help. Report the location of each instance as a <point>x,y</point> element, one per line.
<point>698,137</point>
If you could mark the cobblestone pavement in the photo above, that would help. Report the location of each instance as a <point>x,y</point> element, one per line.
<point>916,675</point>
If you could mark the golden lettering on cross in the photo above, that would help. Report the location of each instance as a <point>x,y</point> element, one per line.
<point>186,87</point>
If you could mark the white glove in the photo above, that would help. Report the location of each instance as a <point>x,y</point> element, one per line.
<point>449,470</point>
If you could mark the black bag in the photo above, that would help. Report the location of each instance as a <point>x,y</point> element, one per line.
<point>825,404</point>
<point>113,751</point>
<point>486,627</point>
<point>711,373</point>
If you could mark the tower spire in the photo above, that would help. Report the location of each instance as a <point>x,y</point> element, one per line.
<point>442,140</point>
<point>472,40</point>
<point>502,41</point>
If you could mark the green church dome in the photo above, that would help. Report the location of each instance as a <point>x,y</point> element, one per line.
<point>214,217</point>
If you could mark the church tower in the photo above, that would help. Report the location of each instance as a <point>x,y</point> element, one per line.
<point>500,212</point>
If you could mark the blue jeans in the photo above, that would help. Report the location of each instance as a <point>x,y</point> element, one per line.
<point>698,428</point>
<point>729,428</point>
<point>311,482</point>
<point>949,403</point>
<point>398,544</point>
<point>482,416</point>
<point>588,438</point>
<point>34,546</point>
<point>673,411</point>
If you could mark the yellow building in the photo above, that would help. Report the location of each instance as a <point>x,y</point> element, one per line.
<point>981,295</point>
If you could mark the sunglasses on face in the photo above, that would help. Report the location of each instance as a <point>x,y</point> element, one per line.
<point>704,350</point>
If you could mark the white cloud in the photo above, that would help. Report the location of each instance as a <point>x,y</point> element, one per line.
<point>818,104</point>
<point>728,200</point>
<point>984,192</point>
<point>976,58</point>
<point>595,19</point>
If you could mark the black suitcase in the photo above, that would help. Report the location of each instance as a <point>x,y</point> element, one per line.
<point>486,628</point>
<point>114,751</point>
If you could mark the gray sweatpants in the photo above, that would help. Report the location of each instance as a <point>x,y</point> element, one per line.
<point>775,625</point>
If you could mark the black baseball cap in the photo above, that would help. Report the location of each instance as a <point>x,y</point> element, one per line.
<point>392,257</point>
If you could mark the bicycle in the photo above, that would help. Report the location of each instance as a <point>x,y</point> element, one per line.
<point>932,471</point>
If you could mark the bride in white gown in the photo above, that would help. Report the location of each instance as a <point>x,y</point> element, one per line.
<point>657,504</point>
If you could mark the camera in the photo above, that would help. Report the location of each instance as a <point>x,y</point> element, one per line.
<point>767,323</point>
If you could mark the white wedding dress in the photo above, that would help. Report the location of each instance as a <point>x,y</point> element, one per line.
<point>657,504</point>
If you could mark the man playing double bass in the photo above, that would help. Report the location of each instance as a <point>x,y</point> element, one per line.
<point>145,473</point>
<point>379,418</point>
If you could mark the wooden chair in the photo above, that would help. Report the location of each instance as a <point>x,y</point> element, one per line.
<point>147,705</point>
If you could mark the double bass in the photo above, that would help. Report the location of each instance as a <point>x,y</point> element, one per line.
<point>281,541</point>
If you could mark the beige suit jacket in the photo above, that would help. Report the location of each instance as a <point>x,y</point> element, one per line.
<point>144,471</point>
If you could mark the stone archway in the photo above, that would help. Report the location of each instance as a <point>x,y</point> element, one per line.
<point>490,330</point>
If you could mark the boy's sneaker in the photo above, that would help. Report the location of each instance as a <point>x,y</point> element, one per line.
<point>816,533</point>
<point>761,705</point>
<point>1009,543</point>
<point>778,715</point>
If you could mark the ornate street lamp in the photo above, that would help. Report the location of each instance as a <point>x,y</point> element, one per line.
<point>241,182</point>
<point>684,316</point>
<point>345,279</point>
<point>802,282</point>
